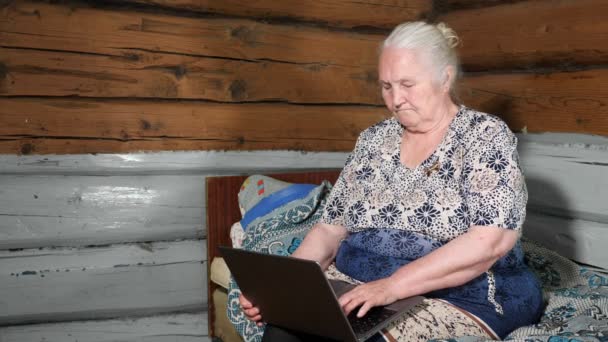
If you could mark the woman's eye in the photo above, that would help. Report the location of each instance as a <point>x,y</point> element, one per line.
<point>406,85</point>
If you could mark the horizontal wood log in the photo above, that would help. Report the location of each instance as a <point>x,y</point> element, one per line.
<point>451,5</point>
<point>73,146</point>
<point>574,101</point>
<point>83,126</point>
<point>169,163</point>
<point>110,32</point>
<point>567,32</point>
<point>187,327</point>
<point>557,102</point>
<point>566,179</point>
<point>341,13</point>
<point>580,240</point>
<point>113,198</point>
<point>50,285</point>
<point>160,75</point>
<point>50,205</point>
<point>38,211</point>
<point>532,33</point>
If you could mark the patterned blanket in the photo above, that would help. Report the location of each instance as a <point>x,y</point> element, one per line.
<point>278,232</point>
<point>576,296</point>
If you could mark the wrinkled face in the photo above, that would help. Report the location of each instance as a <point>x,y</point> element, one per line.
<point>410,89</point>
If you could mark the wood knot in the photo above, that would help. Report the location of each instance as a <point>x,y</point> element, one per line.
<point>371,77</point>
<point>179,71</point>
<point>148,126</point>
<point>238,90</point>
<point>132,57</point>
<point>145,124</point>
<point>27,148</point>
<point>244,34</point>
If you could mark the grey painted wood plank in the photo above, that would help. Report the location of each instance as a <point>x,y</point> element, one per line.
<point>190,327</point>
<point>569,180</point>
<point>38,211</point>
<point>237,161</point>
<point>218,162</point>
<point>565,176</point>
<point>580,240</point>
<point>64,284</point>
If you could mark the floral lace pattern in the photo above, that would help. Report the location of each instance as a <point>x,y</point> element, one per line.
<point>473,178</point>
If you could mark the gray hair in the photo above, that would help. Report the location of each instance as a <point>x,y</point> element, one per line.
<point>436,42</point>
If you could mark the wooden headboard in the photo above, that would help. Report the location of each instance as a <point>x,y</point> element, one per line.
<point>223,211</point>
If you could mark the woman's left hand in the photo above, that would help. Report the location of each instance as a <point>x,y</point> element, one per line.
<point>376,293</point>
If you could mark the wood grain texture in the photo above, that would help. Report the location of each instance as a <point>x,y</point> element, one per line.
<point>532,33</point>
<point>63,284</point>
<point>43,126</point>
<point>580,240</point>
<point>186,327</point>
<point>162,75</point>
<point>55,210</point>
<point>564,33</point>
<point>341,13</point>
<point>110,32</point>
<point>158,198</point>
<point>169,163</point>
<point>574,102</point>
<point>567,180</point>
<point>223,211</point>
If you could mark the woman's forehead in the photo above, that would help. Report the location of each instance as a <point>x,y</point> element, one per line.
<point>399,63</point>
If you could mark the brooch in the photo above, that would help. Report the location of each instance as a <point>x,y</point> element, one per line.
<point>432,168</point>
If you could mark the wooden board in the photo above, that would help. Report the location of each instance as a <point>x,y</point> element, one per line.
<point>63,284</point>
<point>566,178</point>
<point>581,240</point>
<point>43,126</point>
<point>100,199</point>
<point>343,13</point>
<point>56,210</point>
<point>564,33</point>
<point>96,200</point>
<point>162,75</point>
<point>25,24</point>
<point>575,98</point>
<point>532,33</point>
<point>574,102</point>
<point>187,327</point>
<point>169,163</point>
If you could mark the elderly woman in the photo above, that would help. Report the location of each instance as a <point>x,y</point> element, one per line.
<point>430,202</point>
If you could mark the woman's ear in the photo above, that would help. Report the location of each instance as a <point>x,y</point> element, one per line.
<point>448,76</point>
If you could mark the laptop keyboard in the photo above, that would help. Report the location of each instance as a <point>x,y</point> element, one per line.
<point>372,318</point>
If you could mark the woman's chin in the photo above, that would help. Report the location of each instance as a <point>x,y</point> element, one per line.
<point>406,118</point>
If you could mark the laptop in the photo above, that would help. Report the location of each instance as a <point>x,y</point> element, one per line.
<point>295,294</point>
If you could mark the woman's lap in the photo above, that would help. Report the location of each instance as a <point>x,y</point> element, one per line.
<point>431,319</point>
<point>434,319</point>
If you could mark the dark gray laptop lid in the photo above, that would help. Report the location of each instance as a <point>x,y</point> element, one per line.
<point>291,293</point>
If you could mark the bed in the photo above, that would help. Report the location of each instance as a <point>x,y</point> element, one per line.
<point>576,295</point>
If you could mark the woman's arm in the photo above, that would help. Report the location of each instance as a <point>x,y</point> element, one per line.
<point>453,264</point>
<point>321,244</point>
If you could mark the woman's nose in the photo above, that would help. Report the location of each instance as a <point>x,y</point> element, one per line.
<point>397,98</point>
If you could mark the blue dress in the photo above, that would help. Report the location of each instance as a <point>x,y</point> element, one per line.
<point>395,214</point>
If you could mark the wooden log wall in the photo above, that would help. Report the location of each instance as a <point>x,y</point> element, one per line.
<point>88,239</point>
<point>126,75</point>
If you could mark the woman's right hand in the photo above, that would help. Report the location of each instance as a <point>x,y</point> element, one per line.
<point>252,312</point>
